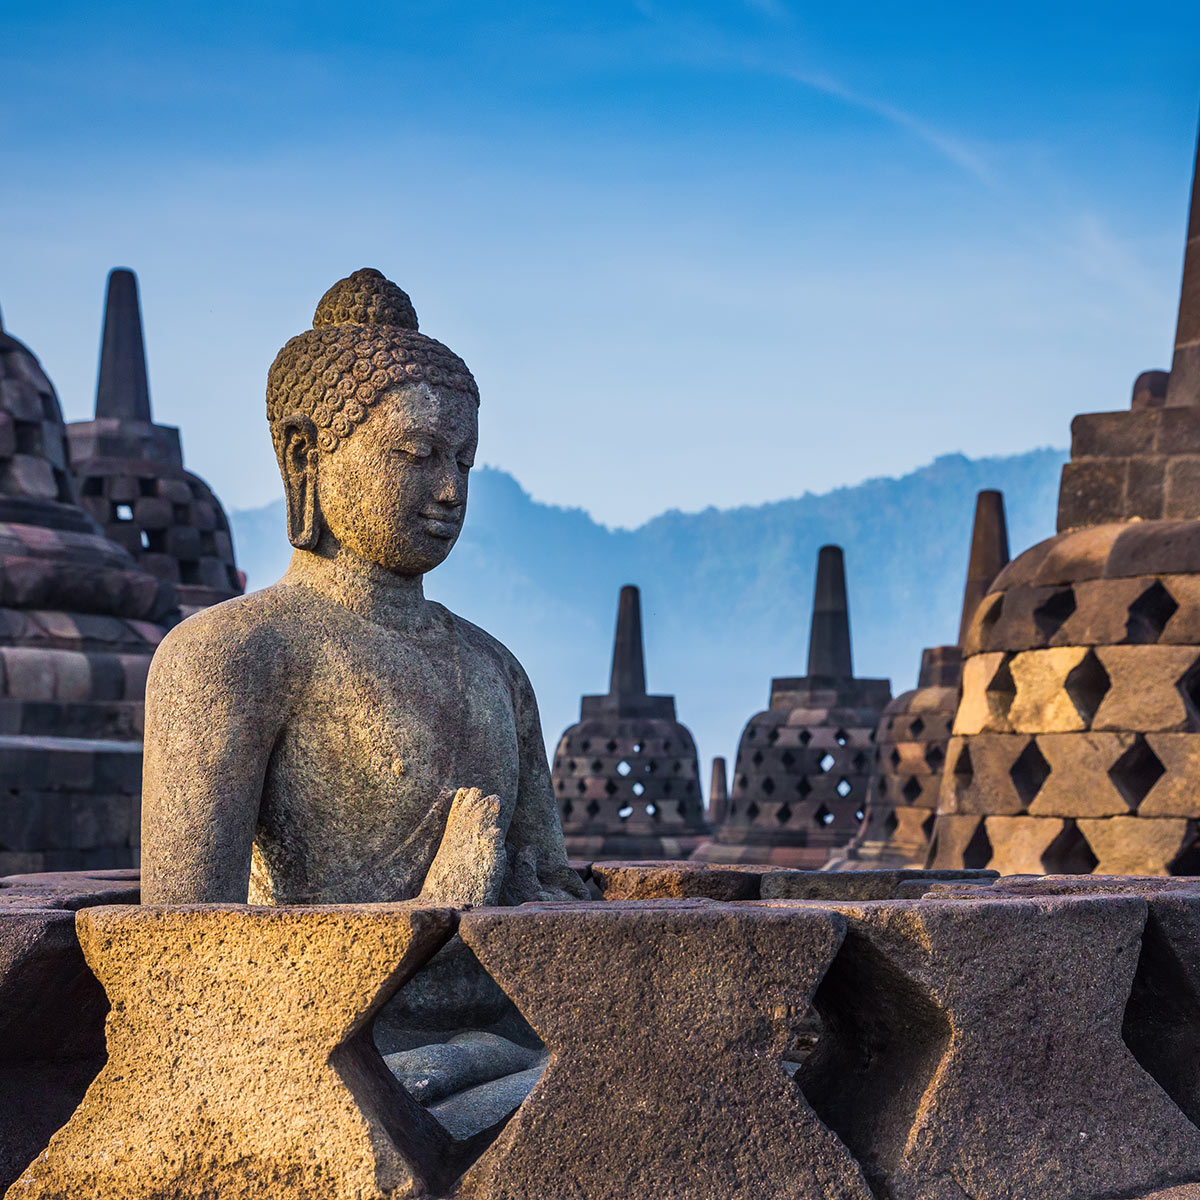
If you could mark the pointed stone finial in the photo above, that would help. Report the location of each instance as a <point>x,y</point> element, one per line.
<point>122,391</point>
<point>1184,385</point>
<point>989,554</point>
<point>829,640</point>
<point>629,661</point>
<point>718,793</point>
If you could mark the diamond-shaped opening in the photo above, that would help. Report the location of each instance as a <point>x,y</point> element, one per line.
<point>1162,1019</point>
<point>1052,613</point>
<point>911,791</point>
<point>841,737</point>
<point>610,787</point>
<point>783,814</point>
<point>581,786</point>
<point>1149,614</point>
<point>927,826</point>
<point>1189,688</point>
<point>935,756</point>
<point>803,787</point>
<point>978,853</point>
<point>890,824</point>
<point>625,812</point>
<point>597,766</point>
<point>859,813</point>
<point>757,759</point>
<point>773,736</point>
<point>1087,685</point>
<point>788,759</point>
<point>1001,690</point>
<point>455,1055</point>
<point>752,810</point>
<point>879,1042</point>
<point>612,747</point>
<point>844,787</point>
<point>895,757</point>
<point>1069,853</point>
<point>639,789</point>
<point>768,785</point>
<point>805,737</point>
<point>822,816</point>
<point>652,810</point>
<point>1136,772</point>
<point>860,761</point>
<point>593,808</point>
<point>917,727</point>
<point>1029,772</point>
<point>567,808</point>
<point>623,767</point>
<point>826,763</point>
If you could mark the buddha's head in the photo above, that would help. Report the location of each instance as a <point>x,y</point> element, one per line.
<point>375,427</point>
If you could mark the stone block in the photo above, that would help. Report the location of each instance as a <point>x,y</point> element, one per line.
<point>987,693</point>
<point>152,512</point>
<point>959,841</point>
<point>1145,488</point>
<point>1081,554</point>
<point>1137,845</point>
<point>240,1061</point>
<point>862,885</point>
<point>1179,431</point>
<point>1176,793</point>
<point>979,775</point>
<point>1115,434</point>
<point>1101,616</point>
<point>1155,548</point>
<point>996,1053</point>
<point>1183,628</point>
<point>683,1082</point>
<point>1182,488</point>
<point>1144,693</point>
<point>1092,492</point>
<point>668,880</point>
<point>1043,703</point>
<point>1020,844</point>
<point>1079,784</point>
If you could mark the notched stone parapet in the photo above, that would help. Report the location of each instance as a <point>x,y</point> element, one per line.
<point>240,1062</point>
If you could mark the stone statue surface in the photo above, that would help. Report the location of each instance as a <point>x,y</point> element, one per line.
<point>337,737</point>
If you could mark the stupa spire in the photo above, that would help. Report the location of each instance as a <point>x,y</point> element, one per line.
<point>829,639</point>
<point>718,792</point>
<point>122,390</point>
<point>629,661</point>
<point>1184,384</point>
<point>989,554</point>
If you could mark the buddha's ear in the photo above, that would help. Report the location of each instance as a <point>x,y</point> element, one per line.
<point>300,458</point>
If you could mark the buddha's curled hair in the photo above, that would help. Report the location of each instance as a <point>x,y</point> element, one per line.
<point>364,341</point>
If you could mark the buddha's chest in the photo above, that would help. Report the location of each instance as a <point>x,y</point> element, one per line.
<point>388,727</point>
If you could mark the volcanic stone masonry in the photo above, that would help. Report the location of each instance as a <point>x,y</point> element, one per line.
<point>803,766</point>
<point>1076,742</point>
<point>626,777</point>
<point>910,744</point>
<point>130,471</point>
<point>79,621</point>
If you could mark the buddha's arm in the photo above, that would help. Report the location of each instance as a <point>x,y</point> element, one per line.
<point>537,856</point>
<point>214,708</point>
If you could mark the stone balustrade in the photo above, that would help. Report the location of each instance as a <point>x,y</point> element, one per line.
<point>975,1039</point>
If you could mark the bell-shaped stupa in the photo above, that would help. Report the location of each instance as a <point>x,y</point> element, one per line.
<point>804,764</point>
<point>626,777</point>
<point>131,475</point>
<point>1076,744</point>
<point>910,744</point>
<point>79,621</point>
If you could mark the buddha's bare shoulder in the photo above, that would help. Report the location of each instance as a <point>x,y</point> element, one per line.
<point>491,648</point>
<point>247,643</point>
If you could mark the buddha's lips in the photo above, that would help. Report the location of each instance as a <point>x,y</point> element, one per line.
<point>440,526</point>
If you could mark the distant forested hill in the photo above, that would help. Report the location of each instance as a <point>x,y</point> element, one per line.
<point>726,595</point>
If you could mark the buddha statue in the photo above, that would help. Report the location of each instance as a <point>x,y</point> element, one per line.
<point>337,737</point>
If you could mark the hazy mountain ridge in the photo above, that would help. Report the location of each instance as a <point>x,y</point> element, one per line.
<point>726,593</point>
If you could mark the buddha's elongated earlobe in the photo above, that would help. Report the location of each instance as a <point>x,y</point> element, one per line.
<point>300,458</point>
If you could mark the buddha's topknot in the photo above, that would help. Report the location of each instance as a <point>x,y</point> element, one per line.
<point>364,341</point>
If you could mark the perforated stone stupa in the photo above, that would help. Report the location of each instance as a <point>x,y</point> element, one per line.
<point>804,764</point>
<point>910,744</point>
<point>1077,741</point>
<point>626,777</point>
<point>79,621</point>
<point>131,475</point>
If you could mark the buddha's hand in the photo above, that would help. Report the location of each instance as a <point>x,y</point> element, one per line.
<point>471,862</point>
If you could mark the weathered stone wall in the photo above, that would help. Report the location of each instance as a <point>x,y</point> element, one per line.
<point>973,1038</point>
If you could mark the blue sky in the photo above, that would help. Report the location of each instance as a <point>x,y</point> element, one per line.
<point>711,253</point>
